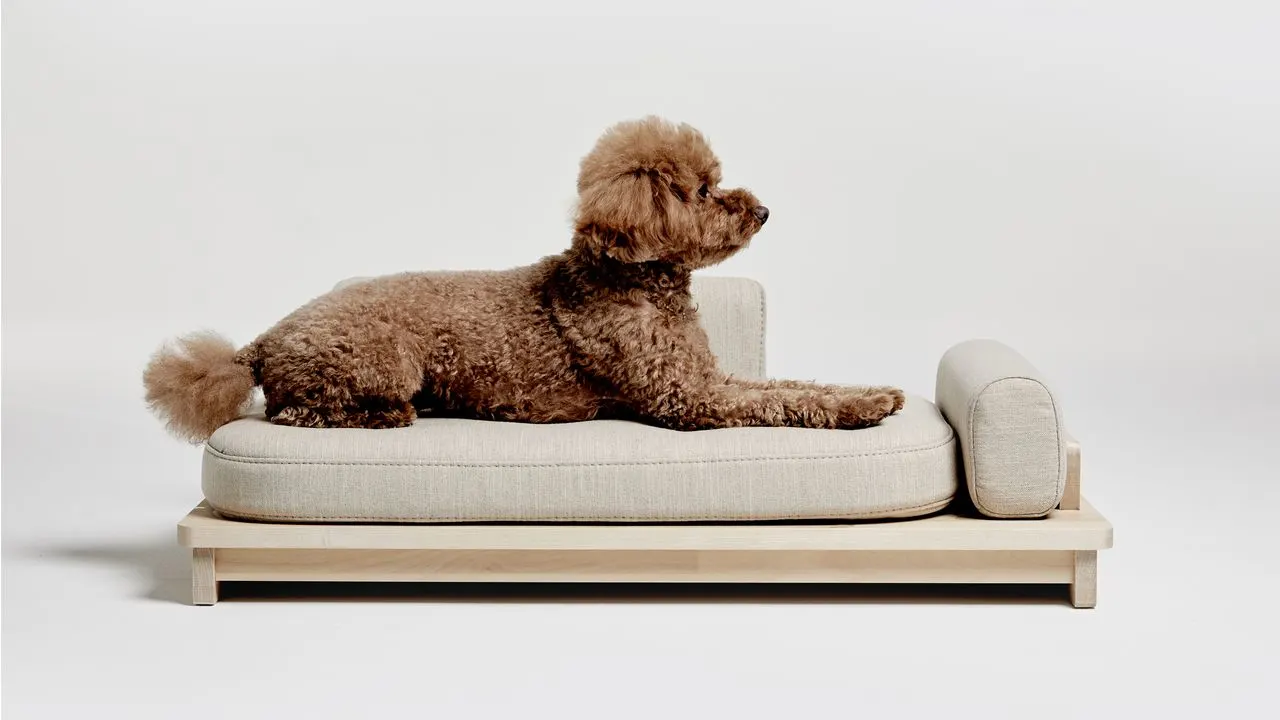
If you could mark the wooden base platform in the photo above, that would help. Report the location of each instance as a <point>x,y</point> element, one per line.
<point>1059,549</point>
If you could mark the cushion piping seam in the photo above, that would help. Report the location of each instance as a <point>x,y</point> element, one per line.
<point>249,459</point>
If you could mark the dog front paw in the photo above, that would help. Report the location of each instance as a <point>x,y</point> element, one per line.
<point>871,406</point>
<point>899,398</point>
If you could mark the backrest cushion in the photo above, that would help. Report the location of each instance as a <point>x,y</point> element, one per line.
<point>732,313</point>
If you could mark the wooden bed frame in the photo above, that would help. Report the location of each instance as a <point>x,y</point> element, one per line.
<point>1061,549</point>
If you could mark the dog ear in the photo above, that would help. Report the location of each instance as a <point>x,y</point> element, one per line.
<point>625,218</point>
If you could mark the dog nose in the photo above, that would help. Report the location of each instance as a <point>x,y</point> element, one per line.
<point>761,212</point>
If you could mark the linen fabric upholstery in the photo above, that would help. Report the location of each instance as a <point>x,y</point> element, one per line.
<point>1010,428</point>
<point>461,470</point>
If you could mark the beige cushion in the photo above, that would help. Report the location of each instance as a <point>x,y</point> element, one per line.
<point>1010,429</point>
<point>453,470</point>
<point>732,313</point>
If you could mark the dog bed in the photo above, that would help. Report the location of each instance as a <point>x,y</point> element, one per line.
<point>456,470</point>
<point>419,504</point>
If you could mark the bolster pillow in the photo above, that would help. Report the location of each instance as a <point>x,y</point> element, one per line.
<point>1010,427</point>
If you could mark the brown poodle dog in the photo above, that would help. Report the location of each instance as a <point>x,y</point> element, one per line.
<point>605,329</point>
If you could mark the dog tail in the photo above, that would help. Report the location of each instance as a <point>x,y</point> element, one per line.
<point>200,384</point>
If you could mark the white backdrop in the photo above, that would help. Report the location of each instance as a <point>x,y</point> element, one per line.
<point>1096,184</point>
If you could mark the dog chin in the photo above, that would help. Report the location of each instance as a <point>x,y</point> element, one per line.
<point>716,255</point>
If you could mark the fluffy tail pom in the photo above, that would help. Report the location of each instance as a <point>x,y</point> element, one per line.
<point>198,386</point>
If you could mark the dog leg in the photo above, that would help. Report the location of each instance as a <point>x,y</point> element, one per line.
<point>861,390</point>
<point>380,412</point>
<point>374,413</point>
<point>781,384</point>
<point>299,416</point>
<point>724,406</point>
<point>801,406</point>
<point>661,369</point>
<point>308,383</point>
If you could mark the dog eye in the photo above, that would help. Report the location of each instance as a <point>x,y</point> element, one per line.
<point>704,191</point>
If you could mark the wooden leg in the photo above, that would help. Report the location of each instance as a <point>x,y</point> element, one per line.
<point>204,586</point>
<point>1084,587</point>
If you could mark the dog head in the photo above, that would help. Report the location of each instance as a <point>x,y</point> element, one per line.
<point>650,191</point>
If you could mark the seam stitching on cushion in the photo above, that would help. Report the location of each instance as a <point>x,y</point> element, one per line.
<point>936,504</point>
<point>221,454</point>
<point>1057,433</point>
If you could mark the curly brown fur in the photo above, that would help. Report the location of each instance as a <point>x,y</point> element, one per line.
<point>605,329</point>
